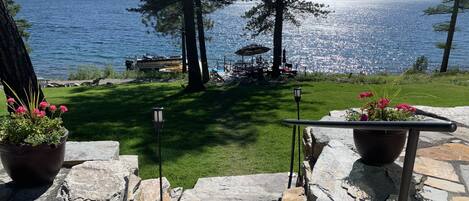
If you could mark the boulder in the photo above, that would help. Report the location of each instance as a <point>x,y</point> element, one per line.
<point>257,187</point>
<point>96,180</point>
<point>131,161</point>
<point>149,190</point>
<point>132,187</point>
<point>189,195</point>
<point>321,136</point>
<point>458,114</point>
<point>294,194</point>
<point>79,152</point>
<point>338,174</point>
<point>41,193</point>
<point>4,178</point>
<point>176,193</point>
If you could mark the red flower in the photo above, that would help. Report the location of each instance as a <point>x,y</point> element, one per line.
<point>52,108</point>
<point>63,109</point>
<point>43,105</point>
<point>20,110</point>
<point>366,94</point>
<point>383,103</point>
<point>10,101</point>
<point>364,117</point>
<point>405,107</point>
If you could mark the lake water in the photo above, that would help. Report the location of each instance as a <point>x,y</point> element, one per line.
<point>360,36</point>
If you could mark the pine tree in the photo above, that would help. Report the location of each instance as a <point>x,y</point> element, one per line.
<point>165,17</point>
<point>452,7</point>
<point>268,16</point>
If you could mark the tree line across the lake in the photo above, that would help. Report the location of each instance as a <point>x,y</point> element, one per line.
<point>188,20</point>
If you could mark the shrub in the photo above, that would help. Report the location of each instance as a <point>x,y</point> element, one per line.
<point>420,66</point>
<point>94,72</point>
<point>109,72</point>
<point>85,73</point>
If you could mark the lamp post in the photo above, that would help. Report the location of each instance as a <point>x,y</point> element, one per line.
<point>158,123</point>
<point>297,96</point>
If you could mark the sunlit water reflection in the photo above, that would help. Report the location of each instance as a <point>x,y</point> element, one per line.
<point>360,36</point>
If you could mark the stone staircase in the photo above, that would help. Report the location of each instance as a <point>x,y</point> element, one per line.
<point>258,187</point>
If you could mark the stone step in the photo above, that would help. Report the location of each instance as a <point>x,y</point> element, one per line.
<point>257,187</point>
<point>79,152</point>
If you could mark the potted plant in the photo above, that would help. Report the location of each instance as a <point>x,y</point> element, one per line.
<point>32,141</point>
<point>380,147</point>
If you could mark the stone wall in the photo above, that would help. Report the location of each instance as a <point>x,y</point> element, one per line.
<point>93,171</point>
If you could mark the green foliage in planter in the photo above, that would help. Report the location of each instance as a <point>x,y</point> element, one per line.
<point>19,130</point>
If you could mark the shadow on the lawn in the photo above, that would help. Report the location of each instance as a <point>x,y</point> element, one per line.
<point>193,121</point>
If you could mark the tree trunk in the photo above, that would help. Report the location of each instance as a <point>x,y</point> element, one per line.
<point>201,34</point>
<point>183,49</point>
<point>278,28</point>
<point>449,40</point>
<point>16,68</point>
<point>195,79</point>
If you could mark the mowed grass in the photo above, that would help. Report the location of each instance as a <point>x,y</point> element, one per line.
<point>224,130</point>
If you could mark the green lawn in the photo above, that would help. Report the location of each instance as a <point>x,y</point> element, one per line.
<point>224,130</point>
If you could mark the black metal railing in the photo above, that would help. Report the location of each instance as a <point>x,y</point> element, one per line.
<point>414,128</point>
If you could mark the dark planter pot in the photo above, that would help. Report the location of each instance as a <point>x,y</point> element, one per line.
<point>379,147</point>
<point>33,166</point>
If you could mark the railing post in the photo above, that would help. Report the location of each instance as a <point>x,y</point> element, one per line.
<point>410,153</point>
<point>292,158</point>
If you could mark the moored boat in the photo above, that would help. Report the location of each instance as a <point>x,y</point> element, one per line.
<point>155,63</point>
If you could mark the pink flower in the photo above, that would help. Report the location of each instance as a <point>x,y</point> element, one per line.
<point>42,114</point>
<point>366,94</point>
<point>364,117</point>
<point>37,112</point>
<point>43,105</point>
<point>383,103</point>
<point>52,108</point>
<point>10,101</point>
<point>20,110</point>
<point>405,107</point>
<point>63,109</point>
